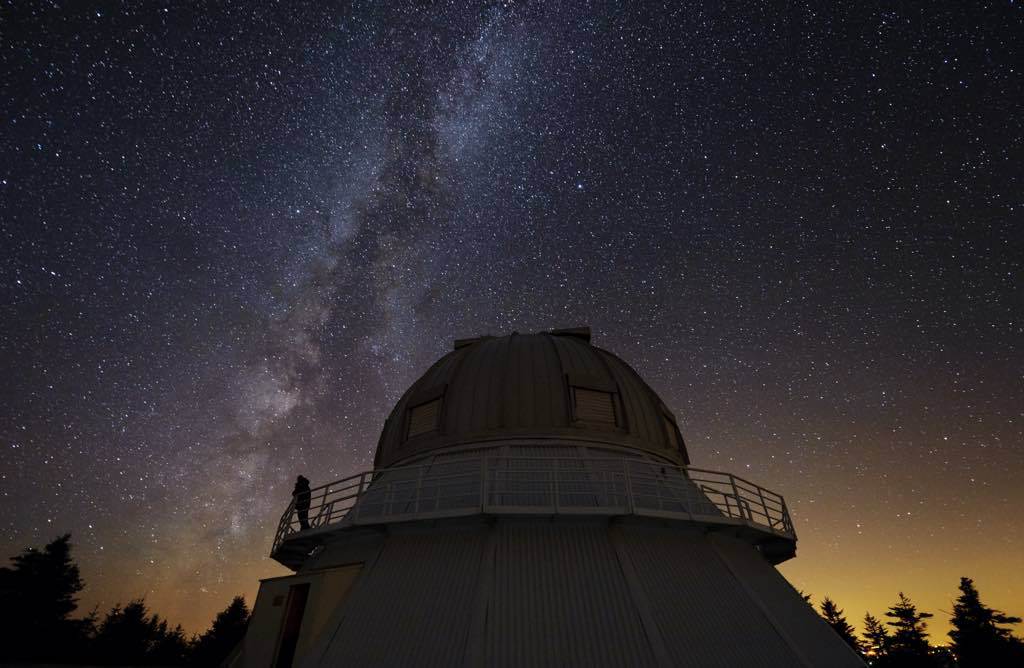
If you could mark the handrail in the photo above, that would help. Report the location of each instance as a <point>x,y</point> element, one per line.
<point>551,485</point>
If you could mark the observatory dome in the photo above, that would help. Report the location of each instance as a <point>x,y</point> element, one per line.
<point>532,505</point>
<point>551,388</point>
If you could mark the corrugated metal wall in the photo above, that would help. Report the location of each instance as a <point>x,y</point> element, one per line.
<point>414,606</point>
<point>560,599</point>
<point>704,615</point>
<point>818,643</point>
<point>529,593</point>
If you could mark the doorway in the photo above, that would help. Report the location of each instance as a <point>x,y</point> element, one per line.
<point>295,608</point>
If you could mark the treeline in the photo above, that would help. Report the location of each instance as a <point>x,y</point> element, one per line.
<point>978,639</point>
<point>38,598</point>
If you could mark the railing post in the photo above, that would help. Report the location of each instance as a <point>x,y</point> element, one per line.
<point>764,507</point>
<point>360,490</point>
<point>736,495</point>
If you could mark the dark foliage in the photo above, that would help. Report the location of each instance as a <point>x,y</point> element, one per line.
<point>227,631</point>
<point>38,596</point>
<point>131,636</point>
<point>909,644</point>
<point>833,614</point>
<point>978,640</point>
<point>876,637</point>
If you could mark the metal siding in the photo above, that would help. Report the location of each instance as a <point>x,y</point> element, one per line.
<point>558,594</point>
<point>498,396</point>
<point>818,643</point>
<point>560,599</point>
<point>637,401</point>
<point>549,392</point>
<point>533,385</point>
<point>515,411</point>
<point>704,615</point>
<point>457,413</point>
<point>465,388</point>
<point>414,606</point>
<point>487,388</point>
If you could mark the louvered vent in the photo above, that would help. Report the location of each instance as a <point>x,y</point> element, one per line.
<point>594,407</point>
<point>424,418</point>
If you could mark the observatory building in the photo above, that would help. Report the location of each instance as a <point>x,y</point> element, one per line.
<point>532,504</point>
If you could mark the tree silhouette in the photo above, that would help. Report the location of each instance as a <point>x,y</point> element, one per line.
<point>909,644</point>
<point>170,647</point>
<point>227,631</point>
<point>37,597</point>
<point>877,636</point>
<point>125,635</point>
<point>977,638</point>
<point>130,636</point>
<point>833,614</point>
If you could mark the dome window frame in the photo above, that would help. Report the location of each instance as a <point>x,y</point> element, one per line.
<point>590,388</point>
<point>430,406</point>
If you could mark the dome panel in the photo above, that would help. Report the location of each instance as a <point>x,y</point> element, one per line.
<point>552,385</point>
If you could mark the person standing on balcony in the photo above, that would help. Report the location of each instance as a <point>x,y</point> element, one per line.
<point>302,496</point>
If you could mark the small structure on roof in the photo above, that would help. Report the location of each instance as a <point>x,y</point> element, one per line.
<point>532,503</point>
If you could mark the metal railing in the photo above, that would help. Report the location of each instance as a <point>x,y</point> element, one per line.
<point>538,485</point>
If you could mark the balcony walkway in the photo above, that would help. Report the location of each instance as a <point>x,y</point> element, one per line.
<point>544,486</point>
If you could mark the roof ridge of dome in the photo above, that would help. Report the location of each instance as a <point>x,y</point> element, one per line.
<point>582,332</point>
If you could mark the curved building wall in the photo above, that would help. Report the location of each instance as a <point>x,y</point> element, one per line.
<point>583,593</point>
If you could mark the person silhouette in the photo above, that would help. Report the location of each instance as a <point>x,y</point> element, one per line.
<point>302,496</point>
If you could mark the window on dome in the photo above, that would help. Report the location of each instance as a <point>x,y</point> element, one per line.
<point>594,407</point>
<point>424,418</point>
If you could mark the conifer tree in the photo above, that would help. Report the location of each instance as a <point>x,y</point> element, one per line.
<point>978,640</point>
<point>170,647</point>
<point>833,614</point>
<point>37,597</point>
<point>131,636</point>
<point>876,636</point>
<point>909,644</point>
<point>221,639</point>
<point>126,635</point>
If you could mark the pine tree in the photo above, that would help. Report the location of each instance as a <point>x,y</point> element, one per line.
<point>909,644</point>
<point>37,597</point>
<point>833,614</point>
<point>170,647</point>
<point>126,635</point>
<point>876,635</point>
<point>221,639</point>
<point>977,638</point>
<point>130,636</point>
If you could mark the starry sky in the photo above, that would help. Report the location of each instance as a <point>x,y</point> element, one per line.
<point>232,235</point>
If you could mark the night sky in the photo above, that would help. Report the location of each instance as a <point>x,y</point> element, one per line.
<point>231,237</point>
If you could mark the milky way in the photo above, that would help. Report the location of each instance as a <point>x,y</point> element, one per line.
<point>231,239</point>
